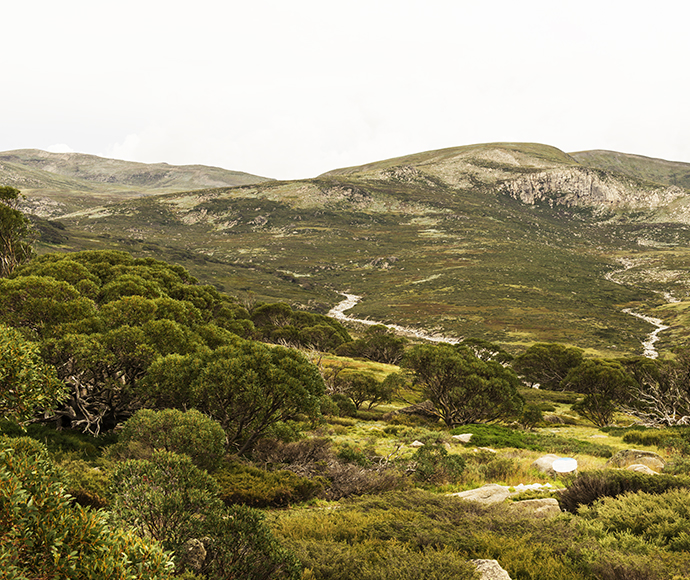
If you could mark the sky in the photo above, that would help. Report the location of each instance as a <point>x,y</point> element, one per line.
<point>292,89</point>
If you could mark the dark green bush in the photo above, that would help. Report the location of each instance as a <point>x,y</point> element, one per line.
<point>242,546</point>
<point>381,560</point>
<point>43,534</point>
<point>190,432</point>
<point>349,454</point>
<point>661,519</point>
<point>433,464</point>
<point>242,484</point>
<point>589,486</point>
<point>531,416</point>
<point>676,438</point>
<point>88,485</point>
<point>346,408</point>
<point>61,441</point>
<point>163,498</point>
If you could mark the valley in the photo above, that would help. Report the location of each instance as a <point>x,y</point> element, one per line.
<point>512,243</point>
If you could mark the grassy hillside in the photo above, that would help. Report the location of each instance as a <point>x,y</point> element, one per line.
<point>59,183</point>
<point>638,166</point>
<point>435,240</point>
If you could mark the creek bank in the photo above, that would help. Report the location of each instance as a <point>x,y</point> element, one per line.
<point>351,300</point>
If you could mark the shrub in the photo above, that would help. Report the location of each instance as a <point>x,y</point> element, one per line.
<point>346,408</point>
<point>661,519</point>
<point>589,486</point>
<point>531,416</point>
<point>381,560</point>
<point>433,464</point>
<point>242,546</point>
<point>299,453</point>
<point>255,487</point>
<point>164,497</point>
<point>43,535</point>
<point>349,454</point>
<point>86,484</point>
<point>190,432</point>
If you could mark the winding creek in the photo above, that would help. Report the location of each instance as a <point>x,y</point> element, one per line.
<point>648,344</point>
<point>351,300</point>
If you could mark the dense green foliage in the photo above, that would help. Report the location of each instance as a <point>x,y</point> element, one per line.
<point>163,498</point>
<point>243,484</point>
<point>246,387</point>
<point>379,343</point>
<point>590,486</point>
<point>14,232</point>
<point>463,388</point>
<point>279,323</point>
<point>547,364</point>
<point>605,384</point>
<point>168,498</point>
<point>103,317</point>
<point>27,384</point>
<point>189,432</point>
<point>43,535</point>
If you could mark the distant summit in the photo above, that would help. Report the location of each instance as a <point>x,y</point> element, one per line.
<point>57,183</point>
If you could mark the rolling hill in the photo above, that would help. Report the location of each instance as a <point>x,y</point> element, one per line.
<point>510,242</point>
<point>57,183</point>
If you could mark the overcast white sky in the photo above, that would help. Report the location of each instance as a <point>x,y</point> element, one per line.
<point>293,88</point>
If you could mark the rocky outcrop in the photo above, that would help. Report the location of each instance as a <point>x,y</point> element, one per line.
<point>543,507</point>
<point>640,468</point>
<point>495,493</point>
<point>545,464</point>
<point>629,457</point>
<point>579,186</point>
<point>490,570</point>
<point>489,493</point>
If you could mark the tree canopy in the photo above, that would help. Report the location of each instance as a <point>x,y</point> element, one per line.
<point>462,387</point>
<point>605,384</point>
<point>102,318</point>
<point>246,386</point>
<point>14,232</point>
<point>547,364</point>
<point>27,384</point>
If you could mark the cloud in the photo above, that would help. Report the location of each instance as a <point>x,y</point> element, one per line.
<point>60,148</point>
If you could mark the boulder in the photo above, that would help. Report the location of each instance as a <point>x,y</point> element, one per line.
<point>489,493</point>
<point>490,570</point>
<point>416,444</point>
<point>464,438</point>
<point>545,464</point>
<point>641,468</point>
<point>629,457</point>
<point>543,507</point>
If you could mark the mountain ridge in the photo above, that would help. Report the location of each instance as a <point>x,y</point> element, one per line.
<point>55,183</point>
<point>513,243</point>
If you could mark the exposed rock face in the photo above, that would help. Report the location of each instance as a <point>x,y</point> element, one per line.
<point>640,468</point>
<point>629,457</point>
<point>545,464</point>
<point>544,507</point>
<point>490,570</point>
<point>579,186</point>
<point>489,493</point>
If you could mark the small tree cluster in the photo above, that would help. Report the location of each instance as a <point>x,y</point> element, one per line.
<point>462,387</point>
